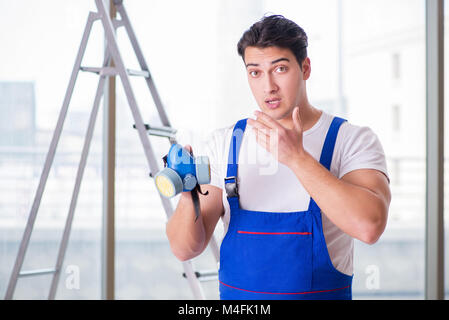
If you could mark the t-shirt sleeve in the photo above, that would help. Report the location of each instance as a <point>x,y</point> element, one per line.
<point>211,149</point>
<point>362,150</point>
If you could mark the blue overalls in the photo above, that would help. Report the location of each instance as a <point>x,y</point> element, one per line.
<point>277,255</point>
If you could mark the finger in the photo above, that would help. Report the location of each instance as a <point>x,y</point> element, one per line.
<point>261,132</point>
<point>269,121</point>
<point>258,124</point>
<point>262,139</point>
<point>267,133</point>
<point>270,143</point>
<point>266,138</point>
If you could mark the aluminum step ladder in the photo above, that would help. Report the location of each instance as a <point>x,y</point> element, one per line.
<point>112,54</point>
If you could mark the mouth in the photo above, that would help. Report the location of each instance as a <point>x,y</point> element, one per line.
<point>273,103</point>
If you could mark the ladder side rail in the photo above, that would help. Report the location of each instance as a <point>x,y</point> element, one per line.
<point>116,56</point>
<point>194,282</point>
<point>151,85</point>
<point>142,62</point>
<point>76,189</point>
<point>213,245</point>
<point>49,160</point>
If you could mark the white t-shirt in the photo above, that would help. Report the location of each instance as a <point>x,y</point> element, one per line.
<point>268,185</point>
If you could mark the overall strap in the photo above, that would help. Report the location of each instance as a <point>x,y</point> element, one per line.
<point>328,151</point>
<point>231,186</point>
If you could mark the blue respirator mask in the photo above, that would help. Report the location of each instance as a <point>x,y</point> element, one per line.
<point>182,172</point>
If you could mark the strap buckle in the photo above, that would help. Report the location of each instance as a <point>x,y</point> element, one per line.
<point>231,187</point>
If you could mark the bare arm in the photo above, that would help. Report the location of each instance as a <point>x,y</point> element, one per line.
<point>188,238</point>
<point>357,203</point>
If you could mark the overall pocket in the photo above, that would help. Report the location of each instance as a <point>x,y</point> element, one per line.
<point>270,261</point>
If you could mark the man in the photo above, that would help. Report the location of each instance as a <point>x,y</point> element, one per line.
<point>288,234</point>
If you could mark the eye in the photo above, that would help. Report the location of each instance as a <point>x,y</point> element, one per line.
<point>254,73</point>
<point>281,69</point>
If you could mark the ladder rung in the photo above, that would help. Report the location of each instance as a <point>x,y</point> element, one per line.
<point>109,71</point>
<point>117,23</point>
<point>160,131</point>
<point>138,73</point>
<point>91,69</point>
<point>166,129</point>
<point>37,272</point>
<point>208,278</point>
<point>203,276</point>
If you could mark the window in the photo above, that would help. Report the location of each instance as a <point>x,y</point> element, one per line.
<point>368,37</point>
<point>396,63</point>
<point>36,60</point>
<point>371,35</point>
<point>356,47</point>
<point>396,112</point>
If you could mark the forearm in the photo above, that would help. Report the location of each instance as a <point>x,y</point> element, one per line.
<point>186,236</point>
<point>357,211</point>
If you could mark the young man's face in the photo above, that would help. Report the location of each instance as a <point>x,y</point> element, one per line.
<point>276,80</point>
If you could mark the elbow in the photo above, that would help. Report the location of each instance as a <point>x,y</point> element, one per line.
<point>182,253</point>
<point>180,249</point>
<point>373,229</point>
<point>182,256</point>
<point>370,237</point>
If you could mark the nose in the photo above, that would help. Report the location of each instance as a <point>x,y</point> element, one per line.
<point>270,85</point>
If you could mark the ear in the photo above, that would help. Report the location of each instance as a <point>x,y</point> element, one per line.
<point>306,68</point>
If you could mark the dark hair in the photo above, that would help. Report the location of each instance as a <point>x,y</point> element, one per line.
<point>275,31</point>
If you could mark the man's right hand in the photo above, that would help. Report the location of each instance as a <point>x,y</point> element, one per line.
<point>188,238</point>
